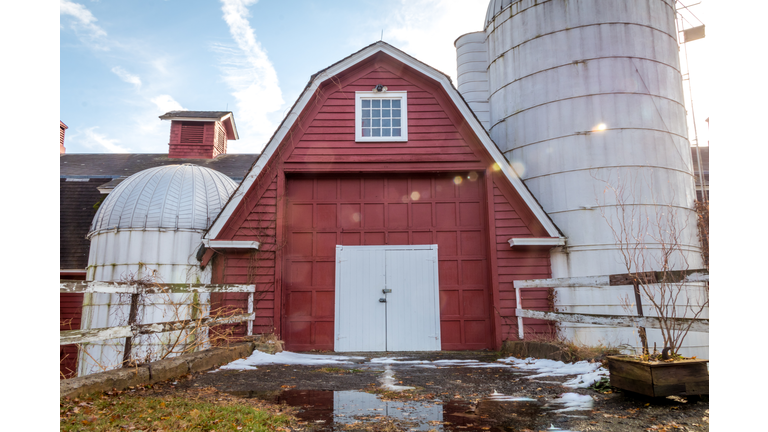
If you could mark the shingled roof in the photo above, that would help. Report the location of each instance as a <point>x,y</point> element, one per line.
<point>114,165</point>
<point>76,200</point>
<point>82,174</point>
<point>196,114</point>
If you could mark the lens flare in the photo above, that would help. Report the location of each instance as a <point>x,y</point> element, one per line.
<point>457,180</point>
<point>519,168</point>
<point>599,128</point>
<point>415,196</point>
<point>472,176</point>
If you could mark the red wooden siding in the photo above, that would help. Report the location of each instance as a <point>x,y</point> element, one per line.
<point>515,265</point>
<point>256,267</point>
<point>323,212</point>
<point>70,314</point>
<point>432,134</point>
<point>197,140</point>
<point>338,191</point>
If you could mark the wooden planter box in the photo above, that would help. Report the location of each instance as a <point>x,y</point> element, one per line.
<point>659,378</point>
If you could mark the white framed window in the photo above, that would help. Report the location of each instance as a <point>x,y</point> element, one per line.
<point>381,116</point>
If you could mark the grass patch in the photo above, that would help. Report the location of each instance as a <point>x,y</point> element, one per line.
<point>165,413</point>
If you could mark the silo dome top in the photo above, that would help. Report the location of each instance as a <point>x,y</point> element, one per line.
<point>494,8</point>
<point>171,197</point>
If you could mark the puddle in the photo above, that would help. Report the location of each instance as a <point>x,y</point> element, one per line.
<point>323,410</point>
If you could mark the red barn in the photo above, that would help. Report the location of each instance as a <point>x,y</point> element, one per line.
<point>386,218</point>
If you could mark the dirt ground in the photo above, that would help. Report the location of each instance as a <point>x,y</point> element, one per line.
<point>460,390</point>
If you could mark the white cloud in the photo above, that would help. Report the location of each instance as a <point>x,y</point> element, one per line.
<point>97,141</point>
<point>251,77</point>
<point>84,24</point>
<point>127,77</point>
<point>166,103</point>
<point>426,29</point>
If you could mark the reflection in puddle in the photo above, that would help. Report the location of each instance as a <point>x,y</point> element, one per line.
<point>342,410</point>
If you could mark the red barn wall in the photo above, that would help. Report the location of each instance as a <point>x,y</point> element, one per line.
<point>515,265</point>
<point>70,314</point>
<point>252,267</point>
<point>319,158</point>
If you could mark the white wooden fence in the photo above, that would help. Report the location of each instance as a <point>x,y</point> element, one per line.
<point>92,335</point>
<point>698,325</point>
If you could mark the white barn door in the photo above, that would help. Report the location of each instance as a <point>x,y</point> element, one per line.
<point>387,298</point>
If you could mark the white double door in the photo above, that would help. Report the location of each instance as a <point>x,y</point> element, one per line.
<point>387,298</point>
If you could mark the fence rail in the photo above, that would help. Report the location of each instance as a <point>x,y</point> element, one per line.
<point>607,281</point>
<point>92,335</point>
<point>67,286</point>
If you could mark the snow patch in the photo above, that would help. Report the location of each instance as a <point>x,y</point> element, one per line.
<point>573,402</point>
<point>587,373</point>
<point>388,381</point>
<point>287,358</point>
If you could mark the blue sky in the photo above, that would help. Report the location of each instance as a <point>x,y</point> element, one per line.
<point>125,63</point>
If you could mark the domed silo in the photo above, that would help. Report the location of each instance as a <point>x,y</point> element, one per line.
<point>149,229</point>
<point>586,102</point>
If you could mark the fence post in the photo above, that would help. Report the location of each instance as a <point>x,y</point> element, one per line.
<point>638,301</point>
<point>250,311</point>
<point>520,332</point>
<point>131,321</point>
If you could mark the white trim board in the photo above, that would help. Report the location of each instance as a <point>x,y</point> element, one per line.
<point>537,241</point>
<point>231,244</point>
<point>428,71</point>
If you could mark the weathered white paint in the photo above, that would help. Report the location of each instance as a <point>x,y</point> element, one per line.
<point>590,281</point>
<point>586,296</point>
<point>250,311</point>
<point>409,317</point>
<point>112,310</point>
<point>99,334</point>
<point>165,256</point>
<point>589,90</point>
<point>545,241</point>
<point>150,229</point>
<point>231,244</point>
<point>612,320</point>
<point>132,288</point>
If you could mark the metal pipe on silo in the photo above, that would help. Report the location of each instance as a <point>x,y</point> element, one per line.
<point>585,95</point>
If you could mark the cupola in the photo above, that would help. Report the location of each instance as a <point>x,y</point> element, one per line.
<point>200,134</point>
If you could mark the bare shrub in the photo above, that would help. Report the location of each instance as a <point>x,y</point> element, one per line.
<point>655,252</point>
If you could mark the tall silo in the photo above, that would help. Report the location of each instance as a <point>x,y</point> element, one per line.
<point>149,229</point>
<point>586,102</point>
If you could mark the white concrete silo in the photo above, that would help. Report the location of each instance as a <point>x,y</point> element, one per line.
<point>586,96</point>
<point>150,228</point>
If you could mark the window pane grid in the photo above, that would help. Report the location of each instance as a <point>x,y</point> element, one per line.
<point>381,117</point>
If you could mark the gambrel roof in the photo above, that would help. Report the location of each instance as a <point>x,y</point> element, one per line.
<point>443,80</point>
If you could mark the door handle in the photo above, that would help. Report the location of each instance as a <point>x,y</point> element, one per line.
<point>382,300</point>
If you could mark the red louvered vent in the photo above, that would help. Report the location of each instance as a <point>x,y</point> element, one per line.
<point>221,140</point>
<point>192,133</point>
<point>62,130</point>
